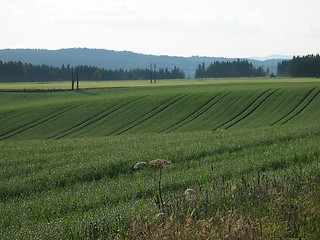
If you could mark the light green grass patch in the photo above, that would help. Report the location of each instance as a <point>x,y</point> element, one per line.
<point>163,109</point>
<point>144,83</point>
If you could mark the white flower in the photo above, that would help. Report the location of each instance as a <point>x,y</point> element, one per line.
<point>190,194</point>
<point>160,216</point>
<point>161,162</point>
<point>140,165</point>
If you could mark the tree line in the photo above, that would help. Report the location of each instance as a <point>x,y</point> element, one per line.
<point>306,66</point>
<point>24,72</point>
<point>239,68</point>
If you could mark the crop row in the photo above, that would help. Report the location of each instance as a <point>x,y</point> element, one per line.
<point>162,112</point>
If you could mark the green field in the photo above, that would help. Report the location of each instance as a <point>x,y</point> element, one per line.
<point>67,157</point>
<point>144,83</point>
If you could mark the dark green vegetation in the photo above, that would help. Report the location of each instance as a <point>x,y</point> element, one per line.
<point>19,72</point>
<point>251,151</point>
<point>239,68</point>
<point>306,66</point>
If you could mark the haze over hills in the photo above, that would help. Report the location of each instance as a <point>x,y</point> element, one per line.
<point>271,57</point>
<point>110,59</point>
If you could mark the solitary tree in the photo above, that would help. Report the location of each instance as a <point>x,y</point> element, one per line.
<point>72,79</point>
<point>97,74</point>
<point>77,76</point>
<point>154,70</point>
<point>151,72</point>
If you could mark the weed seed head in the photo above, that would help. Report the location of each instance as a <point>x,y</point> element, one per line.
<point>161,163</point>
<point>190,194</point>
<point>140,165</point>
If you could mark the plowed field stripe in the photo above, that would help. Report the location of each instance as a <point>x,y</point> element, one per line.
<point>204,108</point>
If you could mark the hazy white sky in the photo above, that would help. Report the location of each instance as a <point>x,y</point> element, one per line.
<point>218,28</point>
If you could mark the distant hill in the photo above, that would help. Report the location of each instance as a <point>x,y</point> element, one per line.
<point>109,59</point>
<point>272,57</point>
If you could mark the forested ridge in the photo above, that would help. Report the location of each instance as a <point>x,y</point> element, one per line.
<point>306,66</point>
<point>23,72</point>
<point>126,60</point>
<point>17,71</point>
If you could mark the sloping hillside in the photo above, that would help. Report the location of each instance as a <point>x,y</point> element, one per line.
<point>104,112</point>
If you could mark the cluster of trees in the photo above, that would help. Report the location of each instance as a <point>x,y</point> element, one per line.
<point>23,72</point>
<point>306,66</point>
<point>135,74</point>
<point>239,68</point>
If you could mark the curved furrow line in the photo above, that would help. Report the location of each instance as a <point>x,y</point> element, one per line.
<point>303,108</point>
<point>243,111</point>
<point>204,108</point>
<point>32,124</point>
<point>177,125</point>
<point>294,107</point>
<point>251,111</point>
<point>147,116</point>
<point>92,120</point>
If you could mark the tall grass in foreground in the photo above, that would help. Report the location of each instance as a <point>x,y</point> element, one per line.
<point>264,207</point>
<point>251,183</point>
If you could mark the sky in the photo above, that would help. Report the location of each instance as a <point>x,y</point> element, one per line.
<point>215,28</point>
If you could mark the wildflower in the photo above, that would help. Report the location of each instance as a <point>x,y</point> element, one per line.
<point>161,163</point>
<point>139,165</point>
<point>160,216</point>
<point>190,194</point>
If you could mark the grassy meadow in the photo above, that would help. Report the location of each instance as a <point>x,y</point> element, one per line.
<point>249,147</point>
